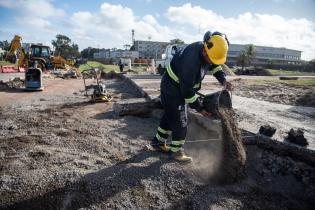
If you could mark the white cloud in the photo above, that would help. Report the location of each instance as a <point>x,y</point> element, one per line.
<point>42,8</point>
<point>112,25</point>
<point>33,13</point>
<point>259,29</point>
<point>7,3</point>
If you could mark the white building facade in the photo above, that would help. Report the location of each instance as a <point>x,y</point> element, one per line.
<point>266,55</point>
<point>150,49</point>
<point>116,54</point>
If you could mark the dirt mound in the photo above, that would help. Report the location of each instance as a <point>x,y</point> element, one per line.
<point>234,156</point>
<point>262,72</point>
<point>255,71</point>
<point>297,137</point>
<point>109,75</point>
<point>12,84</point>
<point>307,99</point>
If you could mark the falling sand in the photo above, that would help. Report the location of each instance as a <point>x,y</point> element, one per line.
<point>232,167</point>
<point>217,158</point>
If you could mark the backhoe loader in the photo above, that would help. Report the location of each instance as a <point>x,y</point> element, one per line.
<point>39,53</point>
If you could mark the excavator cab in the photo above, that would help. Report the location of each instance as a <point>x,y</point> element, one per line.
<point>42,55</point>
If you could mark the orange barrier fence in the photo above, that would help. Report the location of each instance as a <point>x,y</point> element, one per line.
<point>10,69</point>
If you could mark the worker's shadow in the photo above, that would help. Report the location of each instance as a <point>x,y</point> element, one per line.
<point>132,126</point>
<point>97,187</point>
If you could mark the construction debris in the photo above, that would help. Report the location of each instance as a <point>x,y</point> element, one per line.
<point>297,137</point>
<point>109,75</point>
<point>67,74</point>
<point>11,84</point>
<point>267,130</point>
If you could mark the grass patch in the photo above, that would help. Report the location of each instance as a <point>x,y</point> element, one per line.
<point>94,64</point>
<point>108,67</point>
<point>272,81</point>
<point>2,63</point>
<point>289,73</point>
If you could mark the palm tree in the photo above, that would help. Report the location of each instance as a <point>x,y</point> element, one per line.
<point>246,56</point>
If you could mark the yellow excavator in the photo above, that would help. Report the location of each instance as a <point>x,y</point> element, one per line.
<point>39,54</point>
<point>36,61</point>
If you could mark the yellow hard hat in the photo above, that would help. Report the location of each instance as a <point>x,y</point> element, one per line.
<point>216,48</point>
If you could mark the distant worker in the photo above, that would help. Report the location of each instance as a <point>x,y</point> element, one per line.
<point>179,85</point>
<point>121,65</point>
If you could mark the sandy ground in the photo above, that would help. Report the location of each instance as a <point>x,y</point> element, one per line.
<point>58,151</point>
<point>290,94</point>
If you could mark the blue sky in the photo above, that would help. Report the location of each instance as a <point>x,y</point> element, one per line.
<point>108,24</point>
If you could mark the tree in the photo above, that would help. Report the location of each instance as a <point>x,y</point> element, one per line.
<point>88,52</point>
<point>127,46</point>
<point>4,45</point>
<point>177,41</point>
<point>246,56</point>
<point>64,47</point>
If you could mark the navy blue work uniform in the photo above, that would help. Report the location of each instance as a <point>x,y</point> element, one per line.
<point>178,89</point>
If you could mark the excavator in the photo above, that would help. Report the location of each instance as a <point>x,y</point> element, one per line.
<point>38,60</point>
<point>40,54</point>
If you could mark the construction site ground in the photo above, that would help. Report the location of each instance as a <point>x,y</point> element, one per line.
<point>259,104</point>
<point>59,151</point>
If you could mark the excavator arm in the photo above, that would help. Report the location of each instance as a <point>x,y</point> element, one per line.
<point>14,46</point>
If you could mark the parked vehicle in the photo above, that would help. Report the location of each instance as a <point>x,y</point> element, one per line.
<point>170,51</point>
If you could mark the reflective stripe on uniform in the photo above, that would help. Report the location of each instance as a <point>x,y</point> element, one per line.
<point>172,74</point>
<point>159,138</point>
<point>174,149</point>
<point>163,131</point>
<point>175,78</point>
<point>216,69</point>
<point>191,99</point>
<point>197,85</point>
<point>178,143</point>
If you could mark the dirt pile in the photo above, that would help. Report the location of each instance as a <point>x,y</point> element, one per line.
<point>267,130</point>
<point>232,168</point>
<point>297,137</point>
<point>12,84</point>
<point>254,71</point>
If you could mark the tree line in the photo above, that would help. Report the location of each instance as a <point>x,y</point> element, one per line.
<point>63,46</point>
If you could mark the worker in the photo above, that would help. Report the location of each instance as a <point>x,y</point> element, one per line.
<point>121,65</point>
<point>179,85</point>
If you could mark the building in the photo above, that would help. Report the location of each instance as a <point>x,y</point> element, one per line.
<point>266,55</point>
<point>102,54</point>
<point>150,49</point>
<point>115,54</point>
